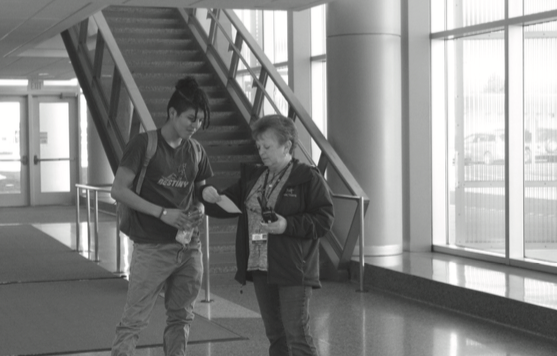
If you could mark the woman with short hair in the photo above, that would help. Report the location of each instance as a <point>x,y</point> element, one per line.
<point>286,207</point>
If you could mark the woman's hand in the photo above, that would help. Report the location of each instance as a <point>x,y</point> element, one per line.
<point>275,228</point>
<point>210,195</point>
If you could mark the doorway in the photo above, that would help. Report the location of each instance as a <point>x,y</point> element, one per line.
<point>38,150</point>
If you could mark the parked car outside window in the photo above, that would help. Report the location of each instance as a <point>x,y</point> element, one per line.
<point>489,147</point>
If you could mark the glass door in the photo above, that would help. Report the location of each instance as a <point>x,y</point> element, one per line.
<point>53,161</point>
<point>14,157</point>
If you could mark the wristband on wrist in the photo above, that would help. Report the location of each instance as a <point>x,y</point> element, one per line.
<point>163,212</point>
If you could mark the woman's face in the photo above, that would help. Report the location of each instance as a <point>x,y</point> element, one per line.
<point>272,153</point>
<point>186,123</point>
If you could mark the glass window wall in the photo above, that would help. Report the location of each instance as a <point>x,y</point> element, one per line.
<point>494,99</point>
<point>476,134</point>
<point>270,30</point>
<point>535,6</point>
<point>540,135</point>
<point>461,13</point>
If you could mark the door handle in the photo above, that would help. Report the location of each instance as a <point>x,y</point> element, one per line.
<point>24,160</point>
<point>36,159</point>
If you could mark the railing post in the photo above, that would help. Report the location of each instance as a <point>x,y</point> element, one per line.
<point>362,230</point>
<point>96,226</point>
<point>118,241</point>
<point>212,37</point>
<point>88,221</point>
<point>206,264</point>
<point>77,221</point>
<point>235,60</point>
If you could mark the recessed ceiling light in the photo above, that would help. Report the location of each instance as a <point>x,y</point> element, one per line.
<point>43,74</point>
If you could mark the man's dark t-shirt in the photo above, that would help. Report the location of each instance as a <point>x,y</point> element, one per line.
<point>169,182</point>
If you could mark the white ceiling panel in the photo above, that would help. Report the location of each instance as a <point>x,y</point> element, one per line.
<point>59,9</point>
<point>22,9</point>
<point>47,68</point>
<point>8,25</point>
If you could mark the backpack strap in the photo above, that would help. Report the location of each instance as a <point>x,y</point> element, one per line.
<point>152,138</point>
<point>197,150</point>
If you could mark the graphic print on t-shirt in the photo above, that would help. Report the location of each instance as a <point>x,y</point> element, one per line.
<point>176,180</point>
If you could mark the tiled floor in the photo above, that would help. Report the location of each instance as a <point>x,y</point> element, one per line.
<point>349,323</point>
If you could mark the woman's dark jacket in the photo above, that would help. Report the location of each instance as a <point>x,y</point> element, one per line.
<point>305,202</point>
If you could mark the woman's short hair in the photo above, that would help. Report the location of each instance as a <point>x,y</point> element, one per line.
<point>188,95</point>
<point>282,127</point>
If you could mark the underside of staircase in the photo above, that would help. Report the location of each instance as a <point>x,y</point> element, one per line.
<point>159,50</point>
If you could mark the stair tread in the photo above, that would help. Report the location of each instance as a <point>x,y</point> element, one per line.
<point>227,142</point>
<point>141,41</point>
<point>159,51</point>
<point>232,158</point>
<point>138,10</point>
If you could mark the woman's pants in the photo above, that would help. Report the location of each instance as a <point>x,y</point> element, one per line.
<point>285,313</point>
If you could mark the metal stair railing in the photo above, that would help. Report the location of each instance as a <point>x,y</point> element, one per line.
<point>223,36</point>
<point>117,107</point>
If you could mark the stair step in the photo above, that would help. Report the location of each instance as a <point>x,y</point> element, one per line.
<point>150,33</point>
<point>139,11</point>
<point>145,65</point>
<point>223,133</point>
<point>220,268</point>
<point>226,118</point>
<point>231,149</point>
<point>216,104</point>
<point>165,91</point>
<point>235,158</point>
<point>222,248</point>
<point>222,234</point>
<point>139,43</point>
<point>234,175</point>
<point>218,119</point>
<point>228,143</point>
<point>166,54</point>
<point>216,133</point>
<point>170,79</point>
<point>143,22</point>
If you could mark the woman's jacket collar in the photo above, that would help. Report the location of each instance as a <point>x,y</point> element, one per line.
<point>300,172</point>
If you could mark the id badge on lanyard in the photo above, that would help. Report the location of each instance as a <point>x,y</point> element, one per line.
<point>260,237</point>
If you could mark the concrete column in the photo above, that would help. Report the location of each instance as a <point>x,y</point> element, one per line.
<point>364,110</point>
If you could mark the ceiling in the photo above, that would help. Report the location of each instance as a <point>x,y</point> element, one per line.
<point>31,47</point>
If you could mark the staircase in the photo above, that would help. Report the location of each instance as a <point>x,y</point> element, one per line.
<point>159,50</point>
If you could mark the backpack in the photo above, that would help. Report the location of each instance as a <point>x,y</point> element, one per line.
<point>123,211</point>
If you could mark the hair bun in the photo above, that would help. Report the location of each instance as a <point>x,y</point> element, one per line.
<point>187,84</point>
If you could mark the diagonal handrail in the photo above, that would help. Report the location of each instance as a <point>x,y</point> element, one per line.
<point>125,73</point>
<point>104,76</point>
<point>339,253</point>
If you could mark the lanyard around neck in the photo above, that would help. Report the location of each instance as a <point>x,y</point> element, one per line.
<point>264,195</point>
